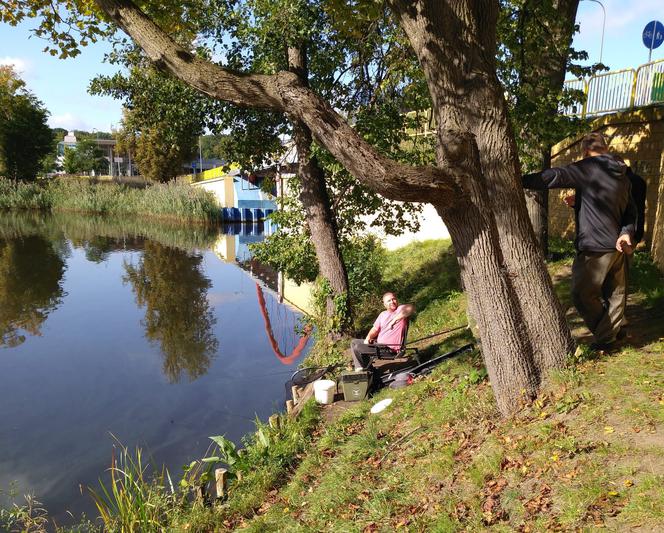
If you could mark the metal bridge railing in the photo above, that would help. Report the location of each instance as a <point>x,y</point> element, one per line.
<point>621,90</point>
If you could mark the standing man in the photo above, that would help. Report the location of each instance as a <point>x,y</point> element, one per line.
<point>388,330</point>
<point>605,225</point>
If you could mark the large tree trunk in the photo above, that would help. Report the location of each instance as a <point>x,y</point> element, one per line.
<point>320,218</point>
<point>492,300</point>
<point>469,99</point>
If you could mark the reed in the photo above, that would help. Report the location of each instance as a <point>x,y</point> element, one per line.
<point>175,201</point>
<point>133,500</point>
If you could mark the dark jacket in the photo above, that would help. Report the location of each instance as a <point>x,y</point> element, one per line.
<point>639,189</point>
<point>604,207</point>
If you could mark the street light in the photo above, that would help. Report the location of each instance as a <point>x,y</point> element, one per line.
<point>601,47</point>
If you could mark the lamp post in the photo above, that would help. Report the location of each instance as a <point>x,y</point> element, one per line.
<point>601,46</point>
<point>200,156</point>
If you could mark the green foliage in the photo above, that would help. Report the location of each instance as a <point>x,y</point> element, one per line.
<point>159,156</point>
<point>163,116</point>
<point>533,74</point>
<point>29,517</point>
<point>172,200</point>
<point>646,279</point>
<point>85,158</point>
<point>25,138</point>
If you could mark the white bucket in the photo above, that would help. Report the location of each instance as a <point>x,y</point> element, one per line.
<point>324,390</point>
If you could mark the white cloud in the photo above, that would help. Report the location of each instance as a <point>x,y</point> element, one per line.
<point>21,66</point>
<point>68,121</point>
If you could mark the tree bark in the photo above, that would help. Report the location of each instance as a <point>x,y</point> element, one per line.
<point>537,203</point>
<point>316,203</point>
<point>469,99</point>
<point>492,300</point>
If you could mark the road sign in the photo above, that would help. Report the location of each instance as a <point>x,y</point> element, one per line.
<point>118,159</point>
<point>653,35</point>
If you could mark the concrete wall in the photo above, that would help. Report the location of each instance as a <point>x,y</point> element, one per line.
<point>637,136</point>
<point>222,189</point>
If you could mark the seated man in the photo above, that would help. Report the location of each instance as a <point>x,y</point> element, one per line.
<point>388,330</point>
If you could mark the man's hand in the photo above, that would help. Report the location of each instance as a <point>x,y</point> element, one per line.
<point>570,200</point>
<point>394,321</point>
<point>624,244</point>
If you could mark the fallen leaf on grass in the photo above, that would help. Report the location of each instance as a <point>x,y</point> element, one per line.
<point>460,511</point>
<point>540,503</point>
<point>608,429</point>
<point>628,483</point>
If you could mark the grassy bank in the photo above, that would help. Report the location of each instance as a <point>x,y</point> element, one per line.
<point>171,200</point>
<point>587,455</point>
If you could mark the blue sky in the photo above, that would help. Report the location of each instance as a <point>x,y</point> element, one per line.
<point>62,84</point>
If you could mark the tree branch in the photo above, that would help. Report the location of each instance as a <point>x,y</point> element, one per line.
<point>284,92</point>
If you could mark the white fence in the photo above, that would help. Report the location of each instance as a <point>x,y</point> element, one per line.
<point>619,91</point>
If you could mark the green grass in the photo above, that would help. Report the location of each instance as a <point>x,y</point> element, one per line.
<point>587,454</point>
<point>171,200</point>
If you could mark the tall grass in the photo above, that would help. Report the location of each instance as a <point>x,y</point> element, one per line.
<point>170,200</point>
<point>133,501</point>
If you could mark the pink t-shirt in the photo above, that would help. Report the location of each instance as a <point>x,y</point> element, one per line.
<point>391,337</point>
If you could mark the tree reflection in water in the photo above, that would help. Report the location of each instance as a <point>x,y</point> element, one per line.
<point>31,272</point>
<point>169,283</point>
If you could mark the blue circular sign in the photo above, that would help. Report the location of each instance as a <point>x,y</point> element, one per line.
<point>653,34</point>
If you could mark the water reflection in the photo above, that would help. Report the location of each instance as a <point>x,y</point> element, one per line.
<point>169,284</point>
<point>97,312</point>
<point>31,271</point>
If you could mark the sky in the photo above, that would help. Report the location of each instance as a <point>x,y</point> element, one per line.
<point>62,84</point>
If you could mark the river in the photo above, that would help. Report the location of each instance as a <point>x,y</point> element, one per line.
<point>156,335</point>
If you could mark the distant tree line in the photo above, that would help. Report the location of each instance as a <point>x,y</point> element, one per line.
<point>25,137</point>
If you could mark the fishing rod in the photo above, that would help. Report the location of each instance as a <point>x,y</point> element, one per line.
<point>444,332</point>
<point>437,334</point>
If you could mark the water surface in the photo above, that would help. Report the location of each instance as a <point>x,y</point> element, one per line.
<point>148,333</point>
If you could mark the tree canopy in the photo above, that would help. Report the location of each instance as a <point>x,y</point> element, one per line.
<point>25,137</point>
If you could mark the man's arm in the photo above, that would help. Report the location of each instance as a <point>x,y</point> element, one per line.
<point>404,312</point>
<point>372,335</point>
<point>569,177</point>
<point>628,229</point>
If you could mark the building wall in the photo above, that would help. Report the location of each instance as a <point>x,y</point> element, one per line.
<point>637,136</point>
<point>222,189</point>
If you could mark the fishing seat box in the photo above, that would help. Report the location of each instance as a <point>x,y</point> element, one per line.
<point>355,385</point>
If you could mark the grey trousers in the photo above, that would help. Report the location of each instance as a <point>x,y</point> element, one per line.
<point>599,291</point>
<point>362,352</point>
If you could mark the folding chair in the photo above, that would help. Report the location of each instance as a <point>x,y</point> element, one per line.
<point>388,353</point>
